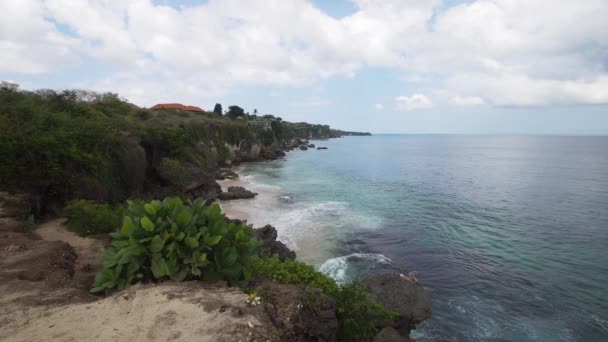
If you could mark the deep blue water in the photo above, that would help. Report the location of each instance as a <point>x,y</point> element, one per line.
<point>509,233</point>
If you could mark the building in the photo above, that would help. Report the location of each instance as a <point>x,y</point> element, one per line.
<point>178,106</point>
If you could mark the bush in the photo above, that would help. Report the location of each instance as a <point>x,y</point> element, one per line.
<point>90,217</point>
<point>357,313</point>
<point>293,272</point>
<point>177,241</point>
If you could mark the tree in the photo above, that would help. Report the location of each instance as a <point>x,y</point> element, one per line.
<point>218,109</point>
<point>235,112</point>
<point>255,112</point>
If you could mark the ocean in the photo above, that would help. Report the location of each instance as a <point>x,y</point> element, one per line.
<point>509,233</point>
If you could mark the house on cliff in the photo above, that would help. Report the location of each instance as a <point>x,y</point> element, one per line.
<point>178,106</point>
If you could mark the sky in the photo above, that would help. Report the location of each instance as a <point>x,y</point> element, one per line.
<point>384,66</point>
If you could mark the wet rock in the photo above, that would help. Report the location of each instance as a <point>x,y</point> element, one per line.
<point>321,148</point>
<point>311,145</point>
<point>402,295</point>
<point>303,147</point>
<point>236,192</point>
<point>270,245</point>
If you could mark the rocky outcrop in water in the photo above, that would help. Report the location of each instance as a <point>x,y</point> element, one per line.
<point>270,244</point>
<point>402,295</point>
<point>226,174</point>
<point>202,184</point>
<point>321,148</point>
<point>236,192</point>
<point>303,147</point>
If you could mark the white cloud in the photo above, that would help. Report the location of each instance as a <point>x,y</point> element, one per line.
<point>466,100</point>
<point>29,43</point>
<point>503,52</point>
<point>379,106</point>
<point>416,101</point>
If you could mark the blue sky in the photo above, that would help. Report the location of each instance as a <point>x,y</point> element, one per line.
<point>391,66</point>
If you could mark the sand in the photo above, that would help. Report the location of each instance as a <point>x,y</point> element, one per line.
<point>188,311</point>
<point>49,309</point>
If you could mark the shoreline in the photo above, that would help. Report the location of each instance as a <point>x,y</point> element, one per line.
<point>231,212</point>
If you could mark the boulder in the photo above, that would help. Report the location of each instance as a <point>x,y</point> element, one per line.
<point>303,147</point>
<point>400,294</point>
<point>202,184</point>
<point>321,148</point>
<point>236,192</point>
<point>270,245</point>
<point>311,145</point>
<point>389,334</point>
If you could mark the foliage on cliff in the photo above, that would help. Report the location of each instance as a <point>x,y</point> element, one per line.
<point>58,146</point>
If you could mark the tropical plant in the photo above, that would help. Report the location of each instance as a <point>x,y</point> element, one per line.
<point>174,240</point>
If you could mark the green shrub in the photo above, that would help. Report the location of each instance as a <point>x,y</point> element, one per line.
<point>293,272</point>
<point>177,241</point>
<point>357,313</point>
<point>174,171</point>
<point>90,217</point>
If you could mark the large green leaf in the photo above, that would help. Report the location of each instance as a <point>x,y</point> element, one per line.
<point>229,256</point>
<point>147,224</point>
<point>213,240</point>
<point>150,209</point>
<point>214,211</point>
<point>159,266</point>
<point>157,244</point>
<point>127,226</point>
<point>191,242</point>
<point>184,218</point>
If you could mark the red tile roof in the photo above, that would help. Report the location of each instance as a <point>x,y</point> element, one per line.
<point>194,109</point>
<point>178,106</point>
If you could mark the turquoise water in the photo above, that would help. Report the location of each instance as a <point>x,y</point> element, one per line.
<point>509,233</point>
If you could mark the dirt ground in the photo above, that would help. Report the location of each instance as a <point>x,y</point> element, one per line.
<point>45,275</point>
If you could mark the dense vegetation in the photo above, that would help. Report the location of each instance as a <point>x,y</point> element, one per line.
<point>76,144</point>
<point>173,240</point>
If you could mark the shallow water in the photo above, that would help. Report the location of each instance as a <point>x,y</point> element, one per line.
<point>510,233</point>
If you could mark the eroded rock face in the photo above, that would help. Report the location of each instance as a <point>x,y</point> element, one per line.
<point>270,244</point>
<point>301,313</point>
<point>389,334</point>
<point>236,192</point>
<point>400,294</point>
<point>17,206</point>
